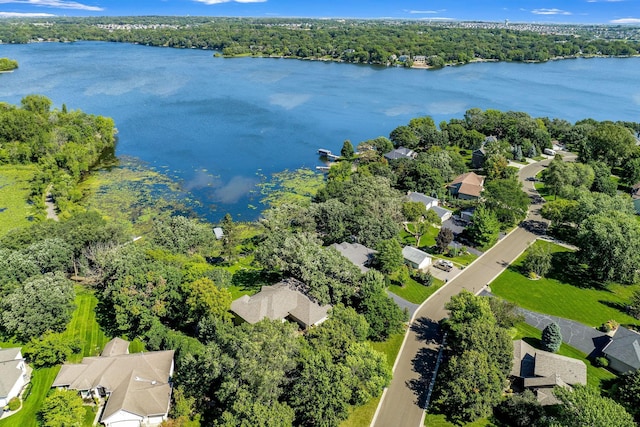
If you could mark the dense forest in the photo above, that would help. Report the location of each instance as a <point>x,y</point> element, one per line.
<point>356,41</point>
<point>173,288</point>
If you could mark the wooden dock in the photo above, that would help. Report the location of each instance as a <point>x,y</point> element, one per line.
<point>328,154</point>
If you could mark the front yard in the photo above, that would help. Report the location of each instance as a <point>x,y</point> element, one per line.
<point>564,295</point>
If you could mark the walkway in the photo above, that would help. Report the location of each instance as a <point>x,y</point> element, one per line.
<point>50,205</point>
<point>404,401</point>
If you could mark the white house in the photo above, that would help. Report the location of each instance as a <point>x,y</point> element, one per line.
<point>13,374</point>
<point>430,203</point>
<point>137,386</point>
<point>218,233</point>
<point>416,258</point>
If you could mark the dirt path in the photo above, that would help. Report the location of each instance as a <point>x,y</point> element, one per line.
<point>50,205</point>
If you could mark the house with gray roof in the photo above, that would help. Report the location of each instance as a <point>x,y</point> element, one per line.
<point>279,302</point>
<point>541,371</point>
<point>400,153</point>
<point>416,258</point>
<point>430,203</point>
<point>13,374</point>
<point>136,387</point>
<point>358,254</point>
<point>623,351</point>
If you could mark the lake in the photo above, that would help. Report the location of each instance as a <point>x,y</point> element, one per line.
<point>220,125</point>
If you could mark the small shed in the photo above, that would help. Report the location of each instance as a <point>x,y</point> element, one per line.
<point>218,233</point>
<point>416,258</point>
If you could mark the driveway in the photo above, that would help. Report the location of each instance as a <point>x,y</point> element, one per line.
<point>403,303</point>
<point>405,400</point>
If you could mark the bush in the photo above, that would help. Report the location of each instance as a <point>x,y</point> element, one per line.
<point>609,325</point>
<point>601,362</point>
<point>14,404</point>
<point>425,279</point>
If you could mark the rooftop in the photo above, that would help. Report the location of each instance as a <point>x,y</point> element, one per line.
<point>414,255</point>
<point>358,254</point>
<point>625,346</point>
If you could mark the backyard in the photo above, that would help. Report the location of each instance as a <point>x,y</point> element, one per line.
<point>565,292</point>
<point>14,193</point>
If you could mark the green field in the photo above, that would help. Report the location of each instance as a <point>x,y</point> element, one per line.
<point>561,294</point>
<point>14,193</point>
<point>84,325</point>
<point>414,292</point>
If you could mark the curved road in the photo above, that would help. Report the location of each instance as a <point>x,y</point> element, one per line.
<point>403,403</point>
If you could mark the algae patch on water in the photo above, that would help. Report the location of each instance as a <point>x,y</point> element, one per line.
<point>133,192</point>
<point>295,187</point>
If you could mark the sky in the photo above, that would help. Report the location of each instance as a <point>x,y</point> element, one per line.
<point>544,11</point>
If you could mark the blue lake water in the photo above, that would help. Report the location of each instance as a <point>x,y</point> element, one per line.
<point>218,125</point>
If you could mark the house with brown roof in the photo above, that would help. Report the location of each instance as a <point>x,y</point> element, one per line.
<point>623,351</point>
<point>541,371</point>
<point>280,302</point>
<point>467,186</point>
<point>136,387</point>
<point>13,375</point>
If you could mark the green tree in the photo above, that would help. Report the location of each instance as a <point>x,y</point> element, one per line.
<point>537,260</point>
<point>584,406</point>
<point>37,104</point>
<point>521,410</point>
<point>62,408</point>
<point>551,337</point>
<point>389,256</point>
<point>609,244</point>
<point>347,150</point>
<point>630,171</point>
<point>507,200</point>
<point>206,299</point>
<point>50,350</point>
<point>485,228</point>
<point>383,315</point>
<point>413,211</point>
<point>443,239</point>
<point>609,142</point>
<point>42,303</point>
<point>627,392</point>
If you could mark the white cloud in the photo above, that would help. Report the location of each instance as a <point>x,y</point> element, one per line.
<point>60,4</point>
<point>210,2</point>
<point>550,12</point>
<point>25,15</point>
<point>625,21</point>
<point>426,12</point>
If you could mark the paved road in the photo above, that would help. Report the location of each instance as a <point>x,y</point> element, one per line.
<point>404,401</point>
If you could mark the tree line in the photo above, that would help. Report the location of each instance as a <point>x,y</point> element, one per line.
<point>355,41</point>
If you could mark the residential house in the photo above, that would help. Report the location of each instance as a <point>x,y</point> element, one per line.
<point>136,387</point>
<point>430,203</point>
<point>218,233</point>
<point>416,258</point>
<point>541,371</point>
<point>467,186</point>
<point>358,254</point>
<point>623,350</point>
<point>13,374</point>
<point>400,153</point>
<point>280,302</point>
<point>479,155</point>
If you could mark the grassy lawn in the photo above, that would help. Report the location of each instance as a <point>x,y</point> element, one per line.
<point>41,381</point>
<point>415,292</point>
<point>565,295</point>
<point>595,375</point>
<point>89,415</point>
<point>438,420</point>
<point>362,415</point>
<point>426,240</point>
<point>84,325</point>
<point>14,193</point>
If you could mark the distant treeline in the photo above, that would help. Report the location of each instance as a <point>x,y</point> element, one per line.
<point>356,41</point>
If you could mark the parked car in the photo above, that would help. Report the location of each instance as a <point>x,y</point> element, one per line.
<point>443,265</point>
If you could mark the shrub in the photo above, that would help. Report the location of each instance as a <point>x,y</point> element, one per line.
<point>609,325</point>
<point>14,404</point>
<point>601,362</point>
<point>425,279</point>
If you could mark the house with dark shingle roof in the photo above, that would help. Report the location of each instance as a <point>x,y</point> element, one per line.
<point>136,387</point>
<point>13,374</point>
<point>623,351</point>
<point>467,186</point>
<point>430,203</point>
<point>400,153</point>
<point>280,302</point>
<point>541,371</point>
